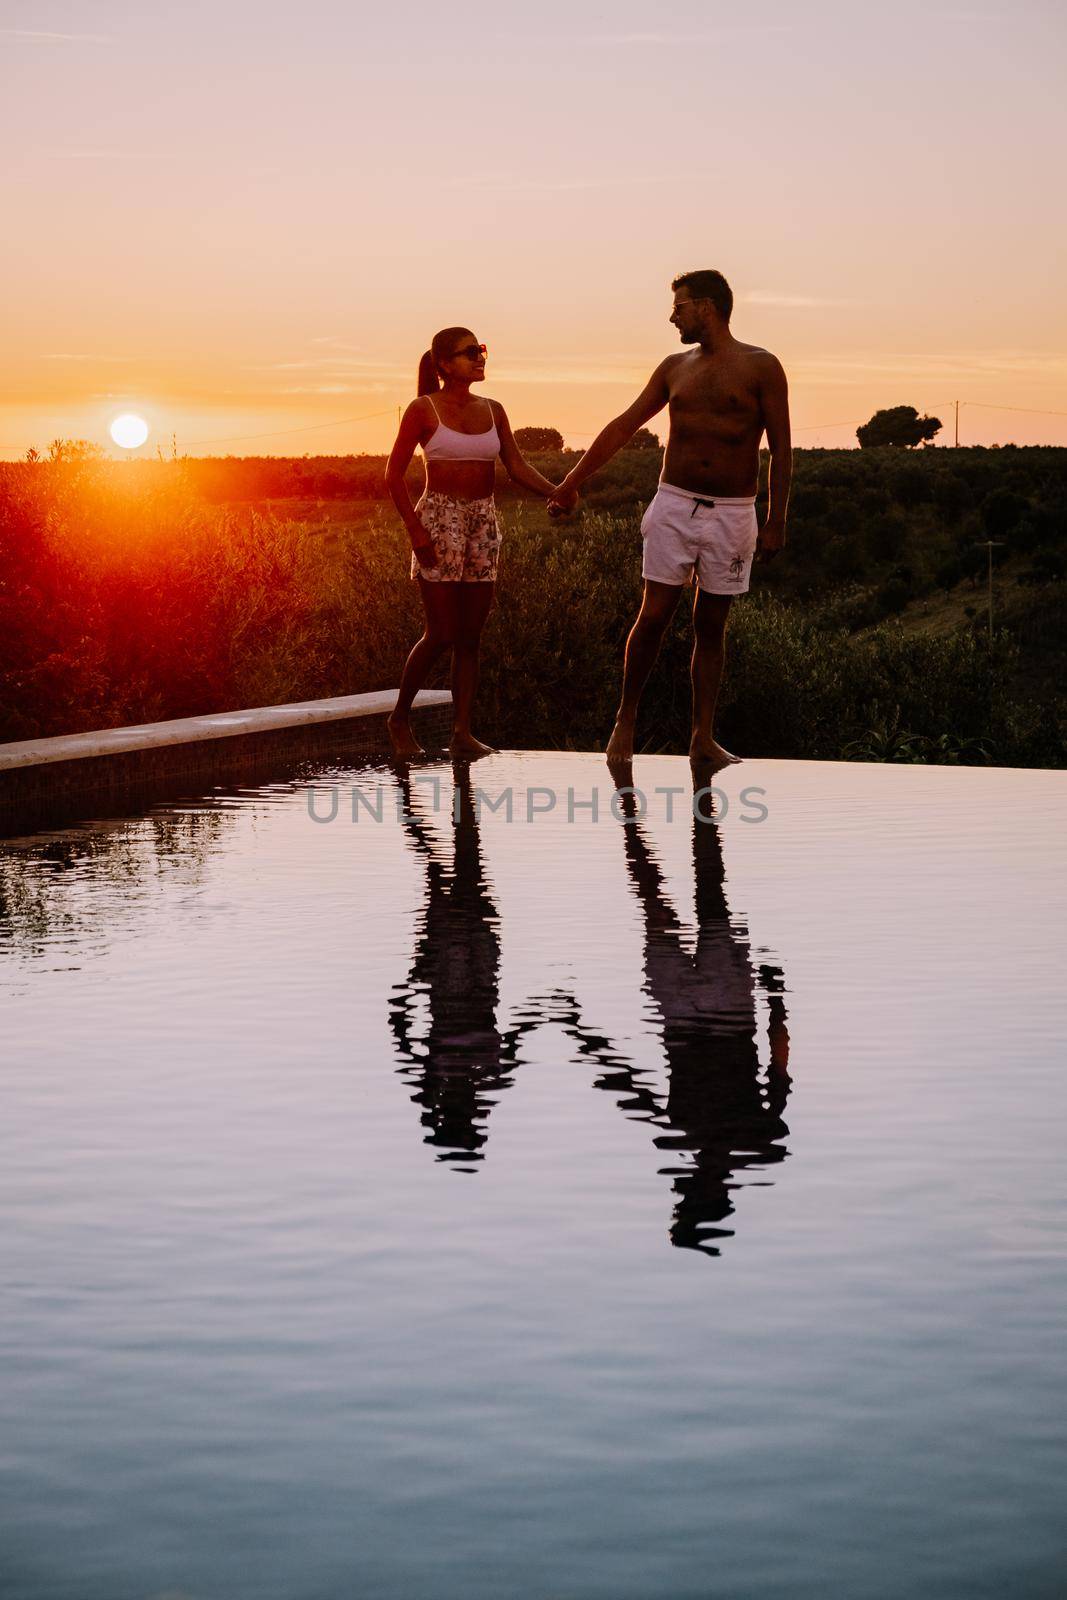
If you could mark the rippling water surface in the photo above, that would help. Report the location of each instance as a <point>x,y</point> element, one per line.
<point>602,1207</point>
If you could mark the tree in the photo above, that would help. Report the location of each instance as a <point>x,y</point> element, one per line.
<point>538,438</point>
<point>899,425</point>
<point>643,439</point>
<point>1001,512</point>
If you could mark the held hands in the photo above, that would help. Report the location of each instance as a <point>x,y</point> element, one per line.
<point>563,501</point>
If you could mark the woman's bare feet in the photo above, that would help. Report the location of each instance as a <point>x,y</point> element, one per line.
<point>402,739</point>
<point>709,752</point>
<point>465,744</point>
<point>621,744</point>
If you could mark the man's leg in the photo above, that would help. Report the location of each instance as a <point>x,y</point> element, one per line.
<point>642,648</point>
<point>474,603</point>
<point>710,612</point>
<point>439,603</point>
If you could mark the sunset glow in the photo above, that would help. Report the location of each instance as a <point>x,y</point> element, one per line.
<point>270,262</point>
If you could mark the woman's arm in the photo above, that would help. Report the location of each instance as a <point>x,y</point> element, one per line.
<point>515,463</point>
<point>412,428</point>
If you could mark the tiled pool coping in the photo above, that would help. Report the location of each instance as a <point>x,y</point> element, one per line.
<point>39,778</point>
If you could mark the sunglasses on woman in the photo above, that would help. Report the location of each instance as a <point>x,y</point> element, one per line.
<point>471,351</point>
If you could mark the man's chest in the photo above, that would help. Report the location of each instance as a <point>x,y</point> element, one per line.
<point>722,391</point>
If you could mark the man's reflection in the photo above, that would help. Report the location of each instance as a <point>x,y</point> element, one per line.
<point>721,1108</point>
<point>721,1113</point>
<point>459,1063</point>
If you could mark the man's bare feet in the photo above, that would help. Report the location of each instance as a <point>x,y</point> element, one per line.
<point>621,743</point>
<point>709,752</point>
<point>402,739</point>
<point>465,744</point>
<point>622,773</point>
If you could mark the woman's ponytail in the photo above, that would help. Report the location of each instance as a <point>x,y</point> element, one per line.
<point>429,382</point>
<point>441,347</point>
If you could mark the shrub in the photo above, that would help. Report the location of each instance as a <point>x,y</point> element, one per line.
<point>887,536</point>
<point>894,595</point>
<point>1048,566</point>
<point>125,597</point>
<point>951,496</point>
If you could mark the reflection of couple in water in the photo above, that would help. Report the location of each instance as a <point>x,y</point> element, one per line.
<point>722,1110</point>
<point>722,396</point>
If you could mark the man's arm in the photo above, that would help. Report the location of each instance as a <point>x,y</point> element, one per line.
<point>619,431</point>
<point>774,398</point>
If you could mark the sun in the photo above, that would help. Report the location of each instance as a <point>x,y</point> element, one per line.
<point>129,431</point>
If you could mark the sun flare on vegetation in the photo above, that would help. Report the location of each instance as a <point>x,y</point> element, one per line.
<point>129,431</point>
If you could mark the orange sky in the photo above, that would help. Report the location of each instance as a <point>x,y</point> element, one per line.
<point>242,219</point>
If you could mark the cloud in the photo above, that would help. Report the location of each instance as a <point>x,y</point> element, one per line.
<point>37,36</point>
<point>789,302</point>
<point>359,373</point>
<point>936,366</point>
<point>71,355</point>
<point>334,367</point>
<point>109,155</point>
<point>626,377</point>
<point>333,388</point>
<point>739,30</point>
<point>562,186</point>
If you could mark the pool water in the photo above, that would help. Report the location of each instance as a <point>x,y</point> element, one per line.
<point>408,1199</point>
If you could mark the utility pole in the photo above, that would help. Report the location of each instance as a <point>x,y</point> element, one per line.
<point>990,546</point>
<point>957,424</point>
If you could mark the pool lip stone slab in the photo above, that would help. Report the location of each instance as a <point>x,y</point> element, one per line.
<point>42,777</point>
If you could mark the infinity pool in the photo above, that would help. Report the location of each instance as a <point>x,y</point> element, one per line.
<point>408,1199</point>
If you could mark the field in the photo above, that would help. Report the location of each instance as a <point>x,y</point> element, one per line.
<point>136,591</point>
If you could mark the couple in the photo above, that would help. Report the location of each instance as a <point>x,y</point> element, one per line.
<point>722,396</point>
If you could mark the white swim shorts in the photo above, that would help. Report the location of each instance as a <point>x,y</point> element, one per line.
<point>711,535</point>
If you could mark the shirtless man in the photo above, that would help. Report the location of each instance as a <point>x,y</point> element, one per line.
<point>722,396</point>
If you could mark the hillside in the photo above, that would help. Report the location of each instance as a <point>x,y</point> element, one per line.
<point>138,590</point>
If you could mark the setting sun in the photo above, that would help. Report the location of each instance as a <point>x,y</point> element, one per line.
<point>129,431</point>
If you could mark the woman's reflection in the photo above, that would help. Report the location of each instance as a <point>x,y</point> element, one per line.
<point>721,1109</point>
<point>459,1063</point>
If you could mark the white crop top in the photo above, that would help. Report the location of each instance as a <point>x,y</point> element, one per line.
<point>448,444</point>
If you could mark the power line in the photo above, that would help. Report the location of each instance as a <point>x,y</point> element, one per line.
<point>1031,411</point>
<point>817,427</point>
<point>278,433</point>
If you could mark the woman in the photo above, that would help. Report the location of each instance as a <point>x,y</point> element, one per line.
<point>455,538</point>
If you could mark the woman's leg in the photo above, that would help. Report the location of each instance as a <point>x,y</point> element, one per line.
<point>439,601</point>
<point>474,603</point>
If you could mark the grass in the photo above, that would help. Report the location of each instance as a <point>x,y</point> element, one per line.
<point>127,598</point>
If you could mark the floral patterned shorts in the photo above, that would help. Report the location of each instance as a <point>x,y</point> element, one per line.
<point>466,536</point>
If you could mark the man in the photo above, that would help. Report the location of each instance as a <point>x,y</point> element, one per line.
<point>722,395</point>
